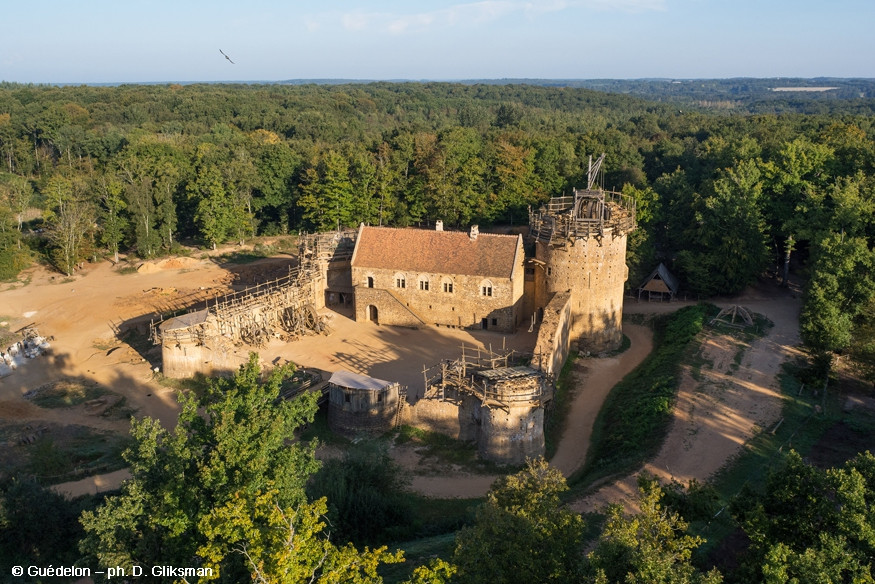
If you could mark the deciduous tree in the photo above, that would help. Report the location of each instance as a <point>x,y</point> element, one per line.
<point>523,533</point>
<point>649,547</point>
<point>230,447</point>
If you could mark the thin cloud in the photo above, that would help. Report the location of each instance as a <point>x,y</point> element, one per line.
<point>478,13</point>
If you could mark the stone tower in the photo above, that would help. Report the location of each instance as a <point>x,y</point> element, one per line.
<point>580,248</point>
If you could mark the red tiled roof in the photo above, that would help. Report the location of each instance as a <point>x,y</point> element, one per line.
<point>435,252</point>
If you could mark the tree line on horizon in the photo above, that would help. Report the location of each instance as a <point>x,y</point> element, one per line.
<point>721,198</point>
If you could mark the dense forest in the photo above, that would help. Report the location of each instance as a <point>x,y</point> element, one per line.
<point>724,195</point>
<point>721,197</point>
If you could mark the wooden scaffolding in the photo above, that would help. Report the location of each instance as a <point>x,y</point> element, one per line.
<point>496,378</point>
<point>251,315</point>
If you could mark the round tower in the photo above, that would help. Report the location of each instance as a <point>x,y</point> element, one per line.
<point>511,413</point>
<point>580,247</point>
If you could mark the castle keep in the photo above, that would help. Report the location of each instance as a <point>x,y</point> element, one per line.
<point>580,248</point>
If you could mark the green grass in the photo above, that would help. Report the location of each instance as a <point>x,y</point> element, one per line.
<point>66,393</point>
<point>417,553</point>
<point>240,257</point>
<point>633,422</point>
<point>433,517</point>
<point>318,429</point>
<point>198,383</point>
<point>439,446</point>
<point>258,252</point>
<point>437,521</point>
<point>73,452</point>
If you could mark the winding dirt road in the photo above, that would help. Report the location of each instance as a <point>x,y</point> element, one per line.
<point>717,414</point>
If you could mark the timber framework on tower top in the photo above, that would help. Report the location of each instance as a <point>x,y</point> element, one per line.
<point>586,213</point>
<point>496,378</point>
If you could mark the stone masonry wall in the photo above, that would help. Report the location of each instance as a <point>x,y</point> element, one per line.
<point>439,299</point>
<point>351,411</point>
<point>448,418</point>
<point>554,334</point>
<point>595,272</point>
<point>511,435</point>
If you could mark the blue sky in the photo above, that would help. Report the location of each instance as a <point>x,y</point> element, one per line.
<point>106,41</point>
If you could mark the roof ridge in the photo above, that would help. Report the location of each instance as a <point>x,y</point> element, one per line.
<point>427,230</point>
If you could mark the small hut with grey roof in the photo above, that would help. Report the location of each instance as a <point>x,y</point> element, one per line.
<point>417,277</point>
<point>359,403</point>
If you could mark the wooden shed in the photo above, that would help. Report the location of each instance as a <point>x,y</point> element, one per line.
<point>659,284</point>
<point>358,403</point>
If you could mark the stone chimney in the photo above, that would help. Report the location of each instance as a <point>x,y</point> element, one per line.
<point>475,231</point>
<point>438,225</point>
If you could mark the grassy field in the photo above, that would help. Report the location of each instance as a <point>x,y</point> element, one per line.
<point>65,393</point>
<point>53,454</point>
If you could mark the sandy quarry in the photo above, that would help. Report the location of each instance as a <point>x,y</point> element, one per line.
<point>83,313</point>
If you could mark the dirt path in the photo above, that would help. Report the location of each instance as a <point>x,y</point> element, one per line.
<point>715,415</point>
<point>83,314</point>
<point>93,484</point>
<point>593,381</point>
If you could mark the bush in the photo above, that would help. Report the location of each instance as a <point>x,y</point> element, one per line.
<point>12,259</point>
<point>366,492</point>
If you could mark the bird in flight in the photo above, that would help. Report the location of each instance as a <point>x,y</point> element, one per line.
<point>227,57</point>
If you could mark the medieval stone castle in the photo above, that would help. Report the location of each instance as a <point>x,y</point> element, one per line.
<point>567,277</point>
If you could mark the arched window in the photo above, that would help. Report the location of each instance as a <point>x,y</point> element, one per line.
<point>400,280</point>
<point>370,281</point>
<point>447,285</point>
<point>485,288</point>
<point>424,283</point>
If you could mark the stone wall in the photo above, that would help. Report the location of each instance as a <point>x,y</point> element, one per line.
<point>511,435</point>
<point>351,411</point>
<point>213,355</point>
<point>418,299</point>
<point>554,335</point>
<point>594,271</point>
<point>458,420</point>
<point>389,308</point>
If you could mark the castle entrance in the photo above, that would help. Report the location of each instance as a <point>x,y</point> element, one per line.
<point>372,314</point>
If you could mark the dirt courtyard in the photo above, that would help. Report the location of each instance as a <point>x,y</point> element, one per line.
<point>84,313</point>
